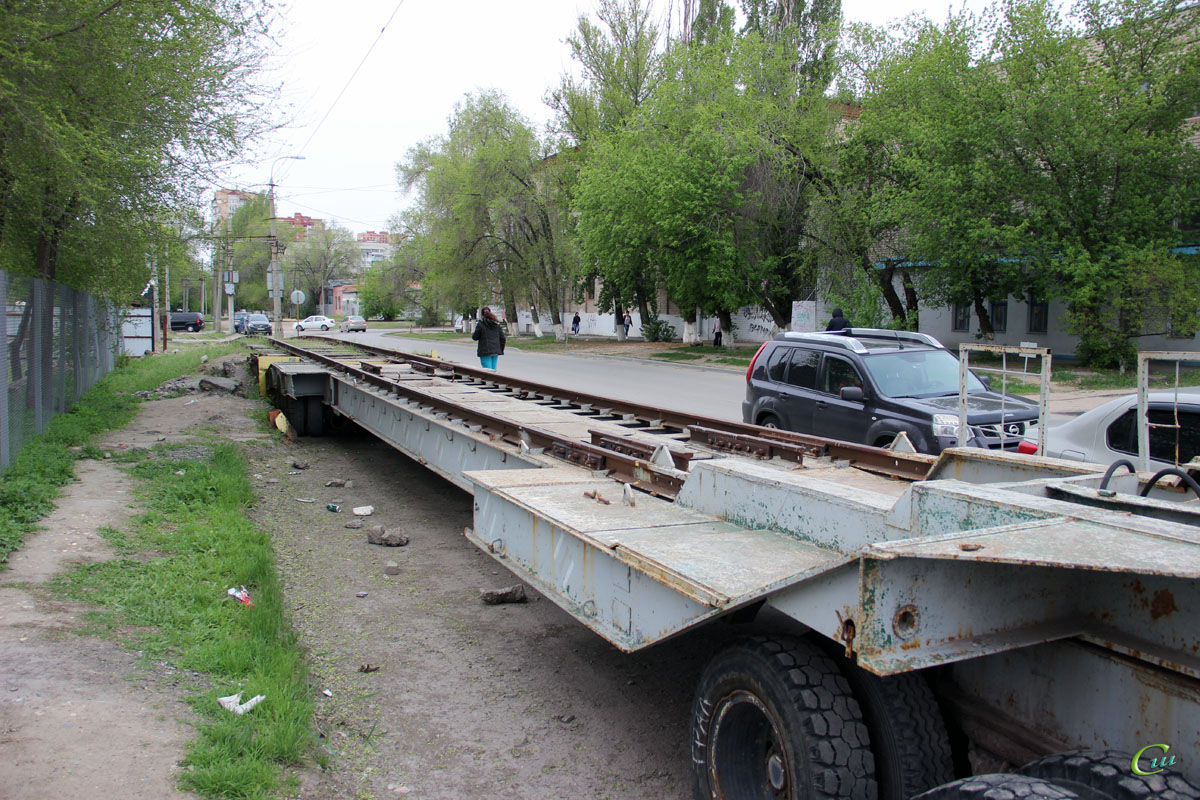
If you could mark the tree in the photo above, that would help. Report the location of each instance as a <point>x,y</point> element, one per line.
<point>487,217</point>
<point>1029,154</point>
<point>707,188</point>
<point>621,62</point>
<point>250,229</point>
<point>110,116</point>
<point>325,254</point>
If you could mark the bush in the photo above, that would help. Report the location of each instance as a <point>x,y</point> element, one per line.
<point>657,330</point>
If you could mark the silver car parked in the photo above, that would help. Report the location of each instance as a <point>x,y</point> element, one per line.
<point>1108,432</point>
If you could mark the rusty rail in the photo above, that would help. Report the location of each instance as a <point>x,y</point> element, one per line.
<point>716,433</point>
<point>622,466</point>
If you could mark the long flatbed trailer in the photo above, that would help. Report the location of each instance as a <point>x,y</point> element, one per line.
<point>978,603</point>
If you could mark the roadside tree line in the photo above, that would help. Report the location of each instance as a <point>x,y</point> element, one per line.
<point>774,152</point>
<point>113,118</point>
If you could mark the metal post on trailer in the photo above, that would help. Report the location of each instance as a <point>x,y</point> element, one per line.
<point>1026,350</point>
<point>1143,401</point>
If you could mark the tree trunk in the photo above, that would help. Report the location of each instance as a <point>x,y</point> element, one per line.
<point>727,338</point>
<point>985,320</point>
<point>619,320</point>
<point>884,280</point>
<point>510,315</point>
<point>910,301</point>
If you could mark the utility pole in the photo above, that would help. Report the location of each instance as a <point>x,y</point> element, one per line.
<point>274,274</point>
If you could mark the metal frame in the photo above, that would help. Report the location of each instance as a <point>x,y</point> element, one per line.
<point>1143,395</point>
<point>1026,353</point>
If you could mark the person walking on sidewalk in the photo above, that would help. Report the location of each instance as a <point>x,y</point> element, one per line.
<point>717,332</point>
<point>489,332</point>
<point>575,324</point>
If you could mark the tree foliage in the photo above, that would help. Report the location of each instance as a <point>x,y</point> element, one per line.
<point>111,114</point>
<point>1033,155</point>
<point>489,217</point>
<point>326,253</point>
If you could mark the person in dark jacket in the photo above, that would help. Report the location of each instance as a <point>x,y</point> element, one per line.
<point>838,323</point>
<point>490,335</point>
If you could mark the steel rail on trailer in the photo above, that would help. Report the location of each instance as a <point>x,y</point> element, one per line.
<point>1038,605</point>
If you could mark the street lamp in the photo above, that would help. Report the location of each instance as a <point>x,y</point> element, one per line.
<point>274,276</point>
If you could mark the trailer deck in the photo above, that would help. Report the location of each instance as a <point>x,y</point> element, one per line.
<point>642,523</point>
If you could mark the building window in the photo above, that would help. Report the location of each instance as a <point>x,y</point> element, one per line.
<point>1039,316</point>
<point>962,317</point>
<point>999,313</point>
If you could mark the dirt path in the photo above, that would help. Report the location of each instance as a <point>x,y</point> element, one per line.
<point>463,699</point>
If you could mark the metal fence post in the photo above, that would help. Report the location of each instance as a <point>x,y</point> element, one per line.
<point>62,294</point>
<point>5,422</point>
<point>77,345</point>
<point>37,300</point>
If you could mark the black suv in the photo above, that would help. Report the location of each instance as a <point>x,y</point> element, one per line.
<point>186,321</point>
<point>866,385</point>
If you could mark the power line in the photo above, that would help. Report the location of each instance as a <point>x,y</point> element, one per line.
<point>307,141</point>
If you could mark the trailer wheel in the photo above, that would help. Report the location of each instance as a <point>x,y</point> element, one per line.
<point>775,718</point>
<point>998,787</point>
<point>1108,775</point>
<point>908,734</point>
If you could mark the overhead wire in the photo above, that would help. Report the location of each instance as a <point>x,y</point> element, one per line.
<point>350,80</point>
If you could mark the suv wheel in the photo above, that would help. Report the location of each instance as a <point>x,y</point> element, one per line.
<point>769,421</point>
<point>191,328</point>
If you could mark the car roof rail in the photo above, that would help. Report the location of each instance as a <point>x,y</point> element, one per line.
<point>849,338</point>
<point>830,338</point>
<point>887,334</point>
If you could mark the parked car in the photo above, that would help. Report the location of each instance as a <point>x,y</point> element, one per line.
<point>1108,432</point>
<point>314,322</point>
<point>866,385</point>
<point>239,321</point>
<point>353,323</point>
<point>257,323</point>
<point>189,321</point>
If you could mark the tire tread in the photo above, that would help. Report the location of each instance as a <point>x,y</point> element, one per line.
<point>1107,775</point>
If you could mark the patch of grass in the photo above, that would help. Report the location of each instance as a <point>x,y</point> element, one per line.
<point>30,485</point>
<point>172,604</point>
<point>741,362</point>
<point>679,355</point>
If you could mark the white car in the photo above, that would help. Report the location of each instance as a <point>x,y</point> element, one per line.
<point>315,322</point>
<point>1108,432</point>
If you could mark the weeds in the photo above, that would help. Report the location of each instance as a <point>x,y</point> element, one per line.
<point>30,485</point>
<point>172,604</point>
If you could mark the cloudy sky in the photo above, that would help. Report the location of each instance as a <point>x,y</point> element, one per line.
<point>365,80</point>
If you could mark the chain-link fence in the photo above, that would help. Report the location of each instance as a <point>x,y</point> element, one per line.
<point>60,342</point>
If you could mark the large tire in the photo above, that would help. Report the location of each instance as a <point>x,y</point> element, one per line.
<point>1109,775</point>
<point>998,787</point>
<point>191,328</point>
<point>775,718</point>
<point>908,734</point>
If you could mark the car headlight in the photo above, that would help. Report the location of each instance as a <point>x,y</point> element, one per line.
<point>945,425</point>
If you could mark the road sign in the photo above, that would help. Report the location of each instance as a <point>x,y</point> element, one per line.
<point>229,287</point>
<point>297,297</point>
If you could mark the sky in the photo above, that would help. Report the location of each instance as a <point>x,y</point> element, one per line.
<point>365,80</point>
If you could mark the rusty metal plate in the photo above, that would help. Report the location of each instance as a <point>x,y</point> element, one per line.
<point>1060,542</point>
<point>734,564</point>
